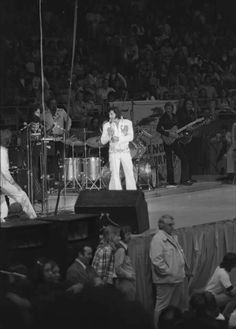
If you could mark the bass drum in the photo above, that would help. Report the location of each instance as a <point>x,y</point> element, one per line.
<point>144,173</point>
<point>106,175</point>
<point>137,148</point>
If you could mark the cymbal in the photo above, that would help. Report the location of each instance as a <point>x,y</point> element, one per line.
<point>74,142</point>
<point>94,142</point>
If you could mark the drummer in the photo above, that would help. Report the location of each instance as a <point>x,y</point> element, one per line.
<point>58,124</point>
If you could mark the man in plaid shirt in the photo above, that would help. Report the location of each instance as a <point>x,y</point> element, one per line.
<point>103,261</point>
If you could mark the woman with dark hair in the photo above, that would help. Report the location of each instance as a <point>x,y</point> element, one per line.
<point>220,283</point>
<point>119,132</point>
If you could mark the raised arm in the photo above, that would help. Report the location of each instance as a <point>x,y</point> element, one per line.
<point>107,133</point>
<point>127,132</point>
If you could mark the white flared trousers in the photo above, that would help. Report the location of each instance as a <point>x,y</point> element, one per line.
<point>125,159</point>
<point>16,193</point>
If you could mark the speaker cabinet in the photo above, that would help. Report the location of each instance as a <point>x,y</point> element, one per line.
<point>124,207</point>
<point>24,241</point>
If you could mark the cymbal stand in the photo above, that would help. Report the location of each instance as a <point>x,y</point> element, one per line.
<point>44,176</point>
<point>85,161</point>
<point>100,168</point>
<point>74,180</point>
<point>29,163</point>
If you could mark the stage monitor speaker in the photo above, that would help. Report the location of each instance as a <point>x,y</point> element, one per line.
<point>124,207</point>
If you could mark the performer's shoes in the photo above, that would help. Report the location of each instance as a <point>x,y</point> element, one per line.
<point>171,185</point>
<point>187,183</point>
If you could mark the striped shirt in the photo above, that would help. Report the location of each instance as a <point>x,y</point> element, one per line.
<point>104,263</point>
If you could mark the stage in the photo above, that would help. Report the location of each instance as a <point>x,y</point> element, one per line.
<point>206,201</point>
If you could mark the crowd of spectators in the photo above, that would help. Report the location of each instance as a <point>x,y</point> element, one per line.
<point>98,290</point>
<point>93,291</point>
<point>124,50</point>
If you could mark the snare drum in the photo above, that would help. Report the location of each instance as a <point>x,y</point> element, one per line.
<point>73,170</point>
<point>92,168</point>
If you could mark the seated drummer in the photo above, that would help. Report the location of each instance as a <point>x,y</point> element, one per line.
<point>57,123</point>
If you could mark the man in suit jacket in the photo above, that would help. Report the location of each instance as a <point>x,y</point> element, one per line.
<point>80,272</point>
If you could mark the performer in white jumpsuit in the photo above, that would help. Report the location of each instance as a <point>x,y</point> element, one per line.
<point>8,185</point>
<point>119,132</point>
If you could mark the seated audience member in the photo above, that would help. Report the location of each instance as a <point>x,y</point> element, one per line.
<point>46,277</point>
<point>169,317</point>
<point>15,297</point>
<point>95,307</point>
<point>220,284</point>
<point>104,261</point>
<point>103,91</point>
<point>125,273</point>
<point>232,320</point>
<point>202,313</point>
<point>80,272</point>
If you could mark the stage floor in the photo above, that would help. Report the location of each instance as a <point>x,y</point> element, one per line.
<point>204,202</point>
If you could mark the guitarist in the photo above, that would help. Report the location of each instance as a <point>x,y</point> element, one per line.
<point>185,115</point>
<point>166,126</point>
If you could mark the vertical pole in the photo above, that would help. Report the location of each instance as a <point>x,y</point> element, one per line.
<point>44,144</point>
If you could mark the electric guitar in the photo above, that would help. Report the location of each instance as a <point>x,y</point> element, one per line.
<point>184,136</point>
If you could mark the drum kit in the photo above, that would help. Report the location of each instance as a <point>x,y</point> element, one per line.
<point>80,170</point>
<point>92,172</point>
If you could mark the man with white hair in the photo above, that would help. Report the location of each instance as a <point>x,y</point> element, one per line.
<point>168,267</point>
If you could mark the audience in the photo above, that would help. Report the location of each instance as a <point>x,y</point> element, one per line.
<point>104,261</point>
<point>220,283</point>
<point>80,272</point>
<point>125,274</point>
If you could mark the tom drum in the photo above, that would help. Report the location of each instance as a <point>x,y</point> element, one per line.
<point>73,169</point>
<point>92,168</point>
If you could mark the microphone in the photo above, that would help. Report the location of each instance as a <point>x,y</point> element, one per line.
<point>25,126</point>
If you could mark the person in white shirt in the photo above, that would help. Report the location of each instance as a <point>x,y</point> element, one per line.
<point>56,119</point>
<point>7,183</point>
<point>119,132</point>
<point>220,283</point>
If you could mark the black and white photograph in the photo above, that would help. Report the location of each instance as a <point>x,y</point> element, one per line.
<point>118,164</point>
